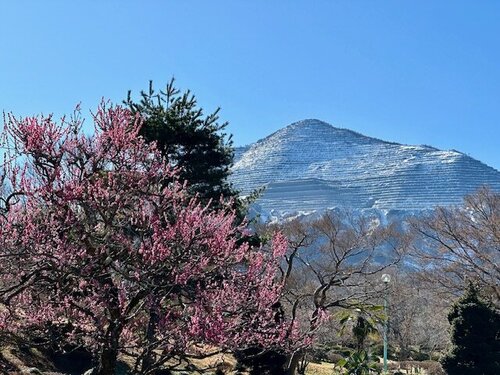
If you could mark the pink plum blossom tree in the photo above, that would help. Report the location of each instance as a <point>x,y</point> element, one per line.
<point>97,249</point>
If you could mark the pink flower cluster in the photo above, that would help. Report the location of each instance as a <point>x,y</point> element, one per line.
<point>99,237</point>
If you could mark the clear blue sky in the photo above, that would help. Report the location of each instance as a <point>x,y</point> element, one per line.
<point>414,72</point>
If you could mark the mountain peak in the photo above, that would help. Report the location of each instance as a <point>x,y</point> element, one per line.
<point>317,124</point>
<point>310,123</point>
<point>315,131</point>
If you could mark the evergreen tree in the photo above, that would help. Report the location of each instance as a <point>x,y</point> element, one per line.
<point>190,140</point>
<point>475,337</point>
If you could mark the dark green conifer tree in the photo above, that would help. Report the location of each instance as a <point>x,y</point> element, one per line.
<point>475,329</point>
<point>190,140</point>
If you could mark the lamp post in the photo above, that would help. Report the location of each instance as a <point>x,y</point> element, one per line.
<point>386,279</point>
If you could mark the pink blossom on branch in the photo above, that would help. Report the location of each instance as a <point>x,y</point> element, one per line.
<point>99,240</point>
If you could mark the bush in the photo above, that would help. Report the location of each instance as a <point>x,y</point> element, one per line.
<point>417,355</point>
<point>328,353</point>
<point>378,350</point>
<point>333,357</point>
<point>430,367</point>
<point>266,363</point>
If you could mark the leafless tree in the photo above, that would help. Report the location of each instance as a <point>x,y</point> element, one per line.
<point>417,317</point>
<point>459,243</point>
<point>334,262</point>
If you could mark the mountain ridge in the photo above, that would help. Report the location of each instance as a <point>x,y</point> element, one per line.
<point>314,120</point>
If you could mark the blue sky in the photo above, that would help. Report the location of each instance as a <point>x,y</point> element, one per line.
<point>414,72</point>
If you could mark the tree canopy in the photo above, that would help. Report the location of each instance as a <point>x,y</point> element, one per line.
<point>102,246</point>
<point>190,140</point>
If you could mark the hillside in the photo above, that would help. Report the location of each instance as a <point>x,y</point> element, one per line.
<point>311,165</point>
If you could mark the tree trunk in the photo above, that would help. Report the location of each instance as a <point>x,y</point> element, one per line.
<point>148,361</point>
<point>107,362</point>
<point>109,351</point>
<point>293,362</point>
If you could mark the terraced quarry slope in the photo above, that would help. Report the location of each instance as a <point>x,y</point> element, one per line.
<point>311,165</point>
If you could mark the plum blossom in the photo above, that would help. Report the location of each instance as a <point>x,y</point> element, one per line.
<point>100,244</point>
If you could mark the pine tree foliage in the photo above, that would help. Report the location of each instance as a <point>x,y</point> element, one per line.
<point>189,139</point>
<point>475,337</point>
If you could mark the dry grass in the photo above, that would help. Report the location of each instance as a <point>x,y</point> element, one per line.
<point>14,359</point>
<point>323,368</point>
<point>227,363</point>
<point>224,362</point>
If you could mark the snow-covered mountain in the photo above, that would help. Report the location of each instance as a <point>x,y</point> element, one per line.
<point>312,166</point>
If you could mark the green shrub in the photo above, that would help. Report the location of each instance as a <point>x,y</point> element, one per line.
<point>475,337</point>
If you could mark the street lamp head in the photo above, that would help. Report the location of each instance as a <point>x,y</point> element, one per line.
<point>386,278</point>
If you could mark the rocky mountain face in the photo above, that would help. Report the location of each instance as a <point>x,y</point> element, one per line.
<point>311,166</point>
